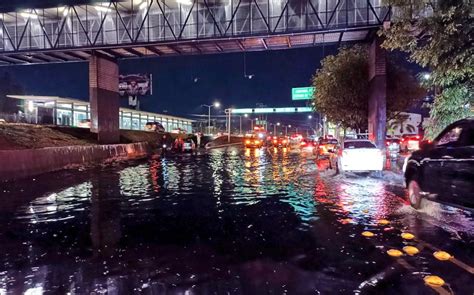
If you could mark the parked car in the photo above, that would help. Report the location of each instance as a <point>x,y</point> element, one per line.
<point>410,143</point>
<point>84,123</point>
<point>358,155</point>
<point>154,126</point>
<point>443,170</point>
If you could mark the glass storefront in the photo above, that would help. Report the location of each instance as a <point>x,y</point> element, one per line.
<point>76,114</point>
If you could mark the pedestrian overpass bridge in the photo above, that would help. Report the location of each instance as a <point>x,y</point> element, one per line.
<point>136,28</point>
<point>100,32</point>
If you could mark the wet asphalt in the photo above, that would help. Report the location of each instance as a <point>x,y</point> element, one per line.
<point>227,221</point>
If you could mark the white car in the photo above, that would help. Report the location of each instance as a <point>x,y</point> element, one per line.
<point>188,146</point>
<point>359,155</point>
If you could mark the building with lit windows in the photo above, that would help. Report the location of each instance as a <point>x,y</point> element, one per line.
<point>74,112</point>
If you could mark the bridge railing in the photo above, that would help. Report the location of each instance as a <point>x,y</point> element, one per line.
<point>154,21</point>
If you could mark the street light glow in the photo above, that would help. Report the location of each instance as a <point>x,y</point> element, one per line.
<point>426,76</point>
<point>143,5</point>
<point>278,123</point>
<point>245,115</point>
<point>289,126</point>
<point>217,104</point>
<point>310,117</point>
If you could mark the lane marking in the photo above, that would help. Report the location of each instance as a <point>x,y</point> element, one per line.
<point>457,262</point>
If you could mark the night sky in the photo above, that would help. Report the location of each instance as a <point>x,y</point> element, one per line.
<point>220,77</point>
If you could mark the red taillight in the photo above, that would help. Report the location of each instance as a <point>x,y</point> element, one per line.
<point>417,137</point>
<point>387,143</point>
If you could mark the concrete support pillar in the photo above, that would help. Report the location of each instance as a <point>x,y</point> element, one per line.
<point>377,93</point>
<point>104,99</point>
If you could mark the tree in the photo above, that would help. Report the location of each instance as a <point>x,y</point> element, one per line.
<point>439,36</point>
<point>342,88</point>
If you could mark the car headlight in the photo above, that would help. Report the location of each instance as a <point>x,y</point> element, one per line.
<point>405,163</point>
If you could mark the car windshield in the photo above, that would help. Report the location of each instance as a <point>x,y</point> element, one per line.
<point>358,144</point>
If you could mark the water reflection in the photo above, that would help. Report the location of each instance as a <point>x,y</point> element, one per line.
<point>229,221</point>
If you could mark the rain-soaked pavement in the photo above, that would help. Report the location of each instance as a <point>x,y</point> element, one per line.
<point>225,222</point>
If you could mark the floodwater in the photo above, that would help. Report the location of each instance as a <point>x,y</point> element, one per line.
<point>229,221</point>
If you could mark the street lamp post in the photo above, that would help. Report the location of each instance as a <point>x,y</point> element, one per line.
<point>228,112</point>
<point>216,105</point>
<point>240,127</point>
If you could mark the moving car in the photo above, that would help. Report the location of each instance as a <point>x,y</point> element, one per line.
<point>326,146</point>
<point>444,169</point>
<point>307,145</point>
<point>358,155</point>
<point>393,146</point>
<point>279,141</point>
<point>253,142</point>
<point>178,131</point>
<point>188,146</point>
<point>410,143</point>
<point>154,126</point>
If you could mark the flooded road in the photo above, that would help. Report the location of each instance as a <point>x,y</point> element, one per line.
<point>228,221</point>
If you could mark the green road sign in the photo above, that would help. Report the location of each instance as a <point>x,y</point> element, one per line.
<point>272,110</point>
<point>302,93</point>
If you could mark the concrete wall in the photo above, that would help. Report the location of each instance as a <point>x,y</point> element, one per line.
<point>25,163</point>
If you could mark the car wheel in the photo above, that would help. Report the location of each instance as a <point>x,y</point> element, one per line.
<point>414,195</point>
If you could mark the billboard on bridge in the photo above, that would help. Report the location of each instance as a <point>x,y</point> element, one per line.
<point>135,84</point>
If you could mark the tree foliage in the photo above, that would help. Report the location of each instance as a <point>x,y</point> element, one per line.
<point>439,36</point>
<point>448,107</point>
<point>342,88</point>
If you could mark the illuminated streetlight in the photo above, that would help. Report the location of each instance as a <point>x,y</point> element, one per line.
<point>245,115</point>
<point>310,117</point>
<point>426,76</point>
<point>216,105</point>
<point>278,124</point>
